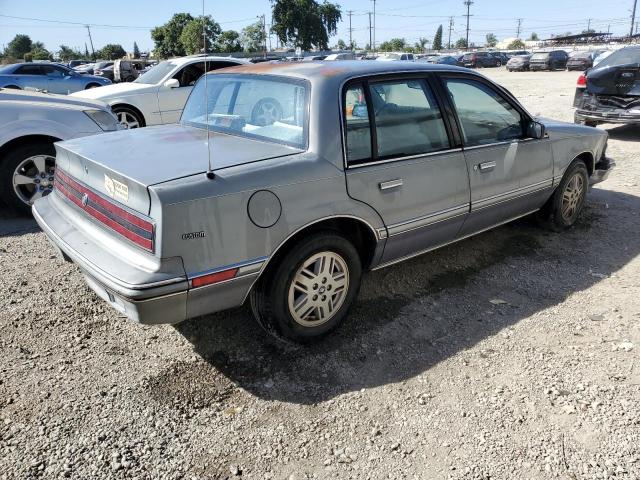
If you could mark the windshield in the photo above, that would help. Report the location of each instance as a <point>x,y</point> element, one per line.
<point>251,106</point>
<point>624,56</point>
<point>157,73</point>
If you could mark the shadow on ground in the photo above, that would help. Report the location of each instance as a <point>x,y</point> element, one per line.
<point>12,223</point>
<point>413,315</point>
<point>630,133</point>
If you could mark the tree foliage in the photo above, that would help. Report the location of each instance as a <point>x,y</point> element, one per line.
<point>192,38</point>
<point>228,42</point>
<point>19,46</point>
<point>534,37</point>
<point>461,43</point>
<point>253,37</point>
<point>341,45</point>
<point>306,24</point>
<point>67,53</point>
<point>136,50</point>
<point>393,45</point>
<point>421,44</point>
<point>437,39</point>
<point>491,40</point>
<point>517,44</point>
<point>111,51</point>
<point>167,37</point>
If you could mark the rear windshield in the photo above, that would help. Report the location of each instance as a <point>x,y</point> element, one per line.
<point>624,56</point>
<point>580,54</point>
<point>468,55</point>
<point>262,107</point>
<point>540,56</point>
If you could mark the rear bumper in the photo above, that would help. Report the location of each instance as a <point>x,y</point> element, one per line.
<point>602,170</point>
<point>607,116</point>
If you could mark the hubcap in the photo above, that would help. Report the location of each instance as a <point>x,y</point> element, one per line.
<point>33,178</point>
<point>127,120</point>
<point>267,114</point>
<point>318,289</point>
<point>572,197</point>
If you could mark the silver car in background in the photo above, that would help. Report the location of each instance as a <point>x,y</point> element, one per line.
<point>30,123</point>
<point>369,164</point>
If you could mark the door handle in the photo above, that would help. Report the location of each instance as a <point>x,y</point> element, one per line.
<point>483,167</point>
<point>391,184</point>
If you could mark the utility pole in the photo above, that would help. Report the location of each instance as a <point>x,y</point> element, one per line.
<point>519,29</point>
<point>370,40</point>
<point>468,3</point>
<point>374,25</point>
<point>588,25</point>
<point>93,52</point>
<point>633,18</point>
<point>263,22</point>
<point>350,12</point>
<point>450,28</point>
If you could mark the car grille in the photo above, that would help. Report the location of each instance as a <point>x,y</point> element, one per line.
<point>618,101</point>
<point>130,226</point>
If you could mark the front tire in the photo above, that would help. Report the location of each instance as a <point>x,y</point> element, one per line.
<point>26,174</point>
<point>128,117</point>
<point>564,207</point>
<point>310,291</point>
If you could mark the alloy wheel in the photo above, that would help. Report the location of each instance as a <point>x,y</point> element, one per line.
<point>127,119</point>
<point>572,197</point>
<point>33,178</point>
<point>267,114</point>
<point>318,289</point>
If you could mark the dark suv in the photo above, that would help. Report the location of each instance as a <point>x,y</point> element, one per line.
<point>552,60</point>
<point>480,59</point>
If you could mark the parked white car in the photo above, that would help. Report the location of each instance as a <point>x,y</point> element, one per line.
<point>30,122</point>
<point>158,96</point>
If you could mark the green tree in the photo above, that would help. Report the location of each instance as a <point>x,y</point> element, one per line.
<point>167,37</point>
<point>228,41</point>
<point>461,43</point>
<point>437,40</point>
<point>19,46</point>
<point>86,51</point>
<point>421,44</point>
<point>393,45</point>
<point>491,40</point>
<point>40,54</point>
<point>192,39</point>
<point>253,37</point>
<point>341,45</point>
<point>136,50</point>
<point>305,23</point>
<point>111,51</point>
<point>534,37</point>
<point>67,53</point>
<point>517,44</point>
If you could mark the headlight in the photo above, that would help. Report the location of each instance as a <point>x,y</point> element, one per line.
<point>105,120</point>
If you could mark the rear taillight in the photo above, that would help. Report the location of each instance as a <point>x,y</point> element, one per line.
<point>130,226</point>
<point>582,80</point>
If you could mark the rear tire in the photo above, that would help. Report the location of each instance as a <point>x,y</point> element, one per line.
<point>563,209</point>
<point>34,161</point>
<point>309,292</point>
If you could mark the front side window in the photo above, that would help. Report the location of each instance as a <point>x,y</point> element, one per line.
<point>51,71</point>
<point>408,120</point>
<point>485,116</point>
<point>266,108</point>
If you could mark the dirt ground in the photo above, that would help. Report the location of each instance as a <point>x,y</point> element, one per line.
<point>510,355</point>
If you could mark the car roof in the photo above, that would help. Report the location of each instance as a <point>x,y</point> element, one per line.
<point>342,70</point>
<point>208,58</point>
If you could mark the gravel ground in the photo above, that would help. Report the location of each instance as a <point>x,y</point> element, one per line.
<point>510,355</point>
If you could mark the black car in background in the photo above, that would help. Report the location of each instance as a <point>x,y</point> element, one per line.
<point>581,60</point>
<point>501,56</point>
<point>106,72</point>
<point>549,60</point>
<point>480,60</point>
<point>90,68</point>
<point>610,92</point>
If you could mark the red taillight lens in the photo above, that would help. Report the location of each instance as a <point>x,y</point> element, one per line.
<point>212,278</point>
<point>582,80</point>
<point>136,229</point>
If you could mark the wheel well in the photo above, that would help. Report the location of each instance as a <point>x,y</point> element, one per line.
<point>354,230</point>
<point>14,87</point>
<point>27,139</point>
<point>89,85</point>
<point>131,107</point>
<point>587,158</point>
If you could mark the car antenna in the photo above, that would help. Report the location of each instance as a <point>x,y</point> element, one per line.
<point>210,174</point>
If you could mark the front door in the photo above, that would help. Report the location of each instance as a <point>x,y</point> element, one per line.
<point>510,174</point>
<point>400,162</point>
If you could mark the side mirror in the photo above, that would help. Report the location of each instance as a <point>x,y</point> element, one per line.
<point>172,83</point>
<point>536,130</point>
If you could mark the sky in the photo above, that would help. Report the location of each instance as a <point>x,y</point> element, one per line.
<point>124,22</point>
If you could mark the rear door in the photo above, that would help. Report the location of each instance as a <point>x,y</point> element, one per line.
<point>510,174</point>
<point>401,162</point>
<point>30,75</point>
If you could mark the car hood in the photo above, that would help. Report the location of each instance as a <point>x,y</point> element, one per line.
<point>7,94</point>
<point>557,129</point>
<point>152,155</point>
<point>114,90</point>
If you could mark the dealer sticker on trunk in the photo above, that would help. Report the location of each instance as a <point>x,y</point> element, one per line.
<point>116,189</point>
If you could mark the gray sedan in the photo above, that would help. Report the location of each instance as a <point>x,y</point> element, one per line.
<point>367,164</point>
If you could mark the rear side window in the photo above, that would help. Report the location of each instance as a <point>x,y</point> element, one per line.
<point>485,116</point>
<point>29,70</point>
<point>358,129</point>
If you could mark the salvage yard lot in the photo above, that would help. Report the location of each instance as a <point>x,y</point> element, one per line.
<point>510,355</point>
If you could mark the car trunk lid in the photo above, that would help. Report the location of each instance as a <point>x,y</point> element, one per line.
<point>121,165</point>
<point>620,80</point>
